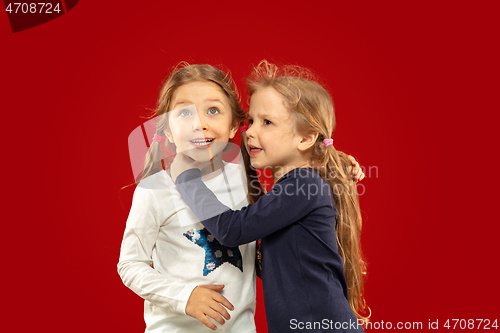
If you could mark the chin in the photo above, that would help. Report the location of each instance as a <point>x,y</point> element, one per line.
<point>257,165</point>
<point>200,156</point>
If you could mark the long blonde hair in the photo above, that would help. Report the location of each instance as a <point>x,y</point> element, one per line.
<point>313,112</point>
<point>181,74</point>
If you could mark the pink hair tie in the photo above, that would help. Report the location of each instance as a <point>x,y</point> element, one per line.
<point>328,142</point>
<point>157,137</point>
<point>242,129</point>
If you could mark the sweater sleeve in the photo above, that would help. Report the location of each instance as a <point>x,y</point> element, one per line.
<point>135,263</point>
<point>288,202</point>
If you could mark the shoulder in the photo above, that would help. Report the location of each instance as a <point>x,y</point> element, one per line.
<point>156,187</point>
<point>302,176</point>
<point>300,183</point>
<point>233,166</point>
<point>156,196</point>
<point>305,185</point>
<point>235,173</point>
<point>239,185</point>
<point>159,180</point>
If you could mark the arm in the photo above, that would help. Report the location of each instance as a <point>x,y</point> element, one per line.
<point>135,263</point>
<point>135,269</point>
<point>285,204</point>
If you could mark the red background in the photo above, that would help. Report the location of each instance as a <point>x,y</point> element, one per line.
<point>415,87</point>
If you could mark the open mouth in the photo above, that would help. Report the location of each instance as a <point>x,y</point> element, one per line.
<point>201,142</point>
<point>252,150</point>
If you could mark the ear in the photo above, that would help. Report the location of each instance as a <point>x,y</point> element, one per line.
<point>169,135</point>
<point>307,141</point>
<point>233,131</point>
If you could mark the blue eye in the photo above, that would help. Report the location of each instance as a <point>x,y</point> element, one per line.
<point>213,111</point>
<point>185,113</point>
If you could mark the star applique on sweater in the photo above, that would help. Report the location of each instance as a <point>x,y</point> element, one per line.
<point>215,253</point>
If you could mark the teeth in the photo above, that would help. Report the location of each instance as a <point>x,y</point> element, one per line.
<point>202,142</point>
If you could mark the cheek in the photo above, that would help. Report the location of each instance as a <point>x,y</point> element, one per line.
<point>225,129</point>
<point>177,135</point>
<point>287,136</point>
<point>181,127</point>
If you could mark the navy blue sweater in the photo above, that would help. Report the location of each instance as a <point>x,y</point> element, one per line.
<point>302,273</point>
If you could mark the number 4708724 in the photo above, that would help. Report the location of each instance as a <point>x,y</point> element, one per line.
<point>471,324</point>
<point>32,7</point>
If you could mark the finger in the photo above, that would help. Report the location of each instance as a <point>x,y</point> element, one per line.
<point>356,165</point>
<point>362,176</point>
<point>222,300</point>
<point>215,316</point>
<point>216,287</point>
<point>221,310</point>
<point>205,321</point>
<point>355,170</point>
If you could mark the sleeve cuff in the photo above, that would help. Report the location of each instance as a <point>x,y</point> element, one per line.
<point>181,305</point>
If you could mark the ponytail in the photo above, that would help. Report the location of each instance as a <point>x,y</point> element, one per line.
<point>155,160</point>
<point>337,171</point>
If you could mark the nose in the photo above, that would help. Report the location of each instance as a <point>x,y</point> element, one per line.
<point>200,124</point>
<point>250,132</point>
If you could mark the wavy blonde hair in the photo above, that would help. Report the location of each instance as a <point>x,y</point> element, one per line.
<point>313,112</point>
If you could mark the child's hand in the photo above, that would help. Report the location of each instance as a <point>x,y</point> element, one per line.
<point>205,300</point>
<point>357,173</point>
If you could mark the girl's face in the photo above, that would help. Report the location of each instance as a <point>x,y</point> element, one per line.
<point>271,139</point>
<point>200,123</point>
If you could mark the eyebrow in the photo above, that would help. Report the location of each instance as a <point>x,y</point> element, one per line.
<point>261,115</point>
<point>214,100</point>
<point>183,102</point>
<point>206,100</point>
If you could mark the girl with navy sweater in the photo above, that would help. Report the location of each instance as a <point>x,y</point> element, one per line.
<point>309,224</point>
